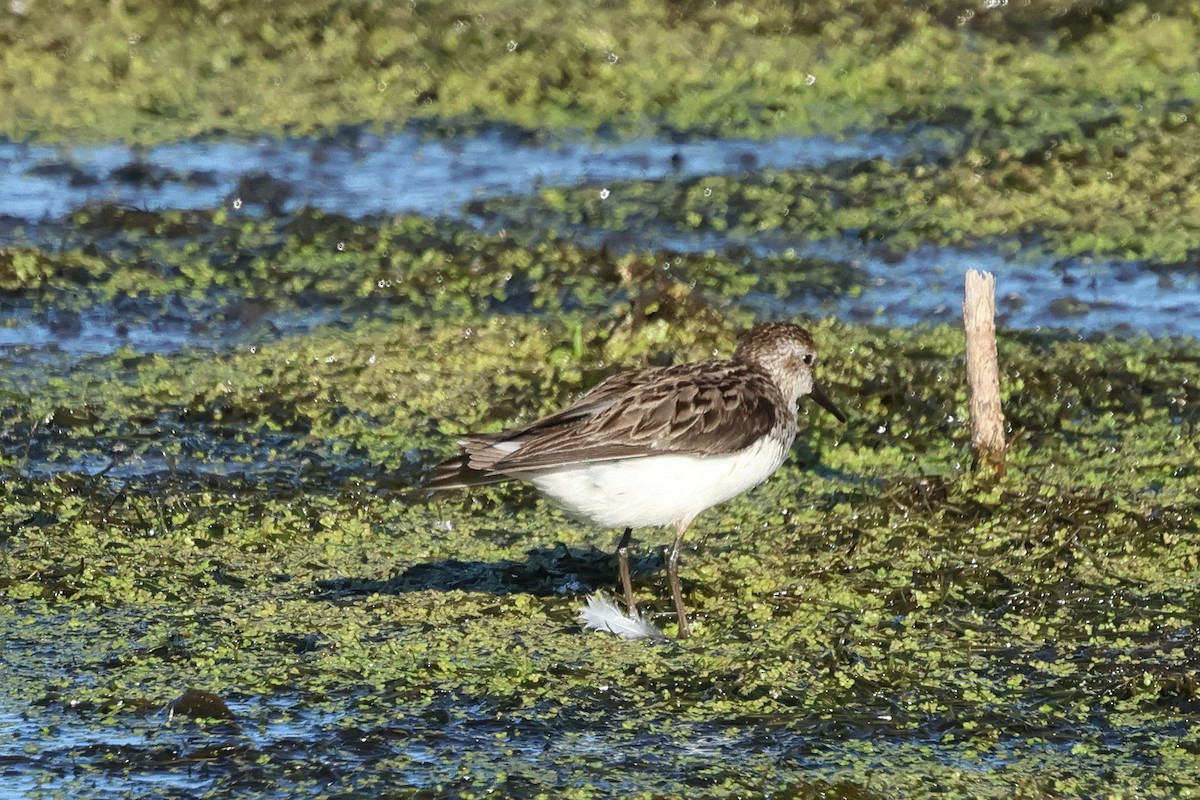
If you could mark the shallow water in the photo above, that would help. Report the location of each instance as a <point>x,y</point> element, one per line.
<point>1034,293</point>
<point>277,747</point>
<point>363,174</point>
<point>147,327</point>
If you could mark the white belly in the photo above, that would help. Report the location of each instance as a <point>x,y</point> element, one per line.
<point>659,490</point>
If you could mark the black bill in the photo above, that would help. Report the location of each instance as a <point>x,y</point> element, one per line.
<point>824,402</point>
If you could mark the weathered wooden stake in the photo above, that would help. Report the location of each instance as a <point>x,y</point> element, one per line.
<point>983,373</point>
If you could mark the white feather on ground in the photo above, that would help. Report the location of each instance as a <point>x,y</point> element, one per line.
<point>602,614</point>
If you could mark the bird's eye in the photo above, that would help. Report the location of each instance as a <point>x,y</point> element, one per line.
<point>808,359</point>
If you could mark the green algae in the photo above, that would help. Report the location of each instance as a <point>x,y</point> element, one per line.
<point>149,71</point>
<point>403,268</point>
<point>869,595</point>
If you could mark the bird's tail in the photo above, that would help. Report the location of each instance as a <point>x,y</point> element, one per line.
<point>456,473</point>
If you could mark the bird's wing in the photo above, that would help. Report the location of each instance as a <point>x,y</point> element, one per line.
<point>698,409</point>
<point>475,464</point>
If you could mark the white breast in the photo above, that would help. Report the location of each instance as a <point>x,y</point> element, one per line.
<point>659,490</point>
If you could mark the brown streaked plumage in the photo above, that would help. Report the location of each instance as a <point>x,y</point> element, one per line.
<point>658,445</point>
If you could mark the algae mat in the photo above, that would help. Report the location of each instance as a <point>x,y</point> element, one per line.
<point>150,71</point>
<point>869,622</point>
<point>211,494</point>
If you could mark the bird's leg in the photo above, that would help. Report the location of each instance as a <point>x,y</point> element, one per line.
<point>623,568</point>
<point>673,577</point>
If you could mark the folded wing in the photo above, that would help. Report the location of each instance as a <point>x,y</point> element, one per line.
<point>692,409</point>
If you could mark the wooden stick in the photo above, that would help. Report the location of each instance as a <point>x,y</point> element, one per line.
<point>983,373</point>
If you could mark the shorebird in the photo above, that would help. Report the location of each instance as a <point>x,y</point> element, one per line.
<point>656,446</point>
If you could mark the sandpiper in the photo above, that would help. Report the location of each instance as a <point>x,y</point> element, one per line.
<point>657,446</point>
